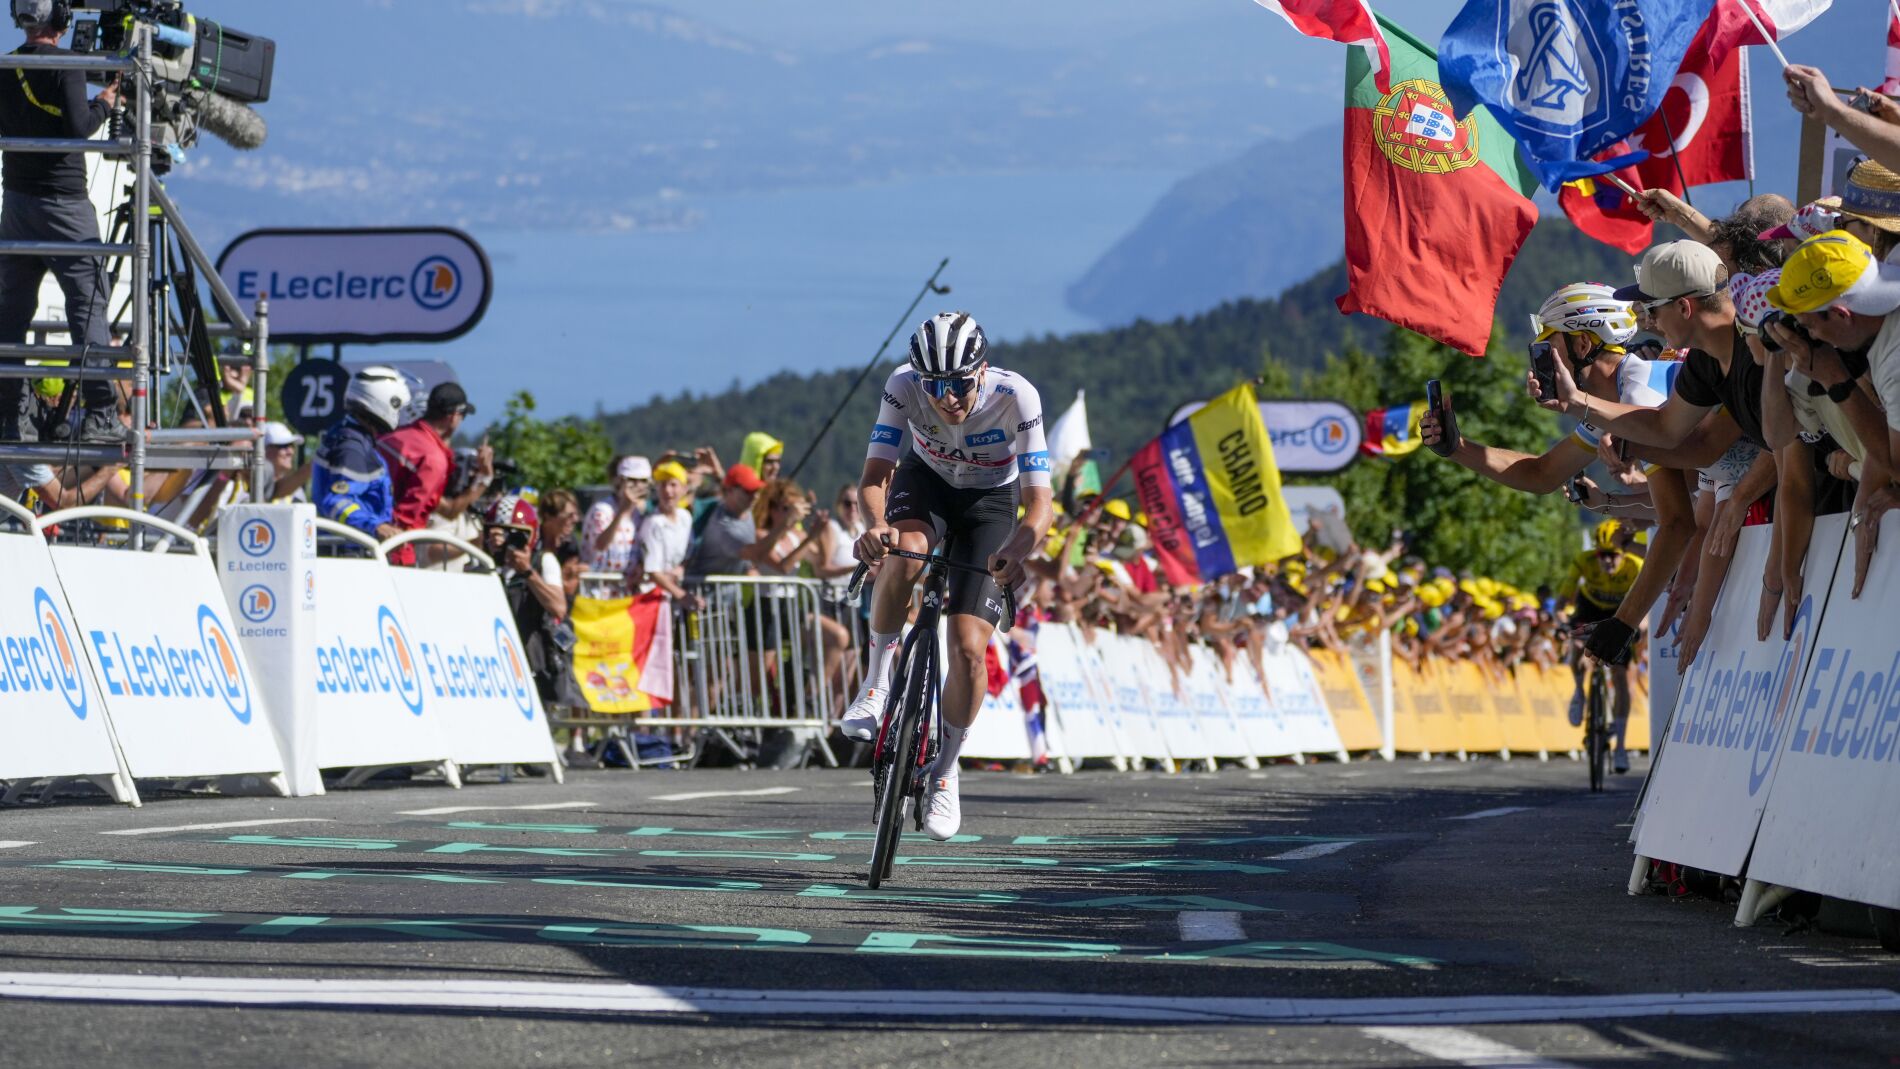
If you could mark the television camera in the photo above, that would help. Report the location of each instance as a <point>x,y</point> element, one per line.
<point>205,74</point>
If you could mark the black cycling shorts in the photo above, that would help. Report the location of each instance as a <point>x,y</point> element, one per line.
<point>1588,612</point>
<point>975,522</point>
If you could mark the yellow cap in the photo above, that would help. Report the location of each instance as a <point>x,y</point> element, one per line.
<point>1119,509</point>
<point>1142,519</point>
<point>1821,272</point>
<point>670,470</point>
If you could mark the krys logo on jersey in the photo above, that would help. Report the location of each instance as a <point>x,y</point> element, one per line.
<point>377,660</point>
<point>44,659</point>
<point>176,665</point>
<point>1745,705</point>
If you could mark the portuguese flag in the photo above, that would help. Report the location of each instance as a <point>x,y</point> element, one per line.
<point>1436,209</point>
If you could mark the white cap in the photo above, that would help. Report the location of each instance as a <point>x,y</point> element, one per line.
<point>634,468</point>
<point>1675,269</point>
<point>276,433</point>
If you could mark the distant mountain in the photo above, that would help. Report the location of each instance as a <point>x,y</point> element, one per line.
<point>1135,375</point>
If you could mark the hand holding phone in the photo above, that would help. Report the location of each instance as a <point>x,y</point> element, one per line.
<point>1448,439</point>
<point>1544,366</point>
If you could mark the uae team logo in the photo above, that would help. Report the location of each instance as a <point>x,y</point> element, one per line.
<point>1413,126</point>
<point>61,651</point>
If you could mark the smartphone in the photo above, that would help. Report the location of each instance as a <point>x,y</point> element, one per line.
<point>1099,456</point>
<point>1544,366</point>
<point>1447,430</point>
<point>1574,490</point>
<point>1862,102</point>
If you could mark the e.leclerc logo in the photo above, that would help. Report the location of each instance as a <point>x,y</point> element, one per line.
<point>226,674</point>
<point>435,283</point>
<point>44,659</point>
<point>1745,706</point>
<point>408,679</point>
<point>257,604</point>
<point>388,665</point>
<point>256,537</point>
<point>1329,435</point>
<point>518,685</point>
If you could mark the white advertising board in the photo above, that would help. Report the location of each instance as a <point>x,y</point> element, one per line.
<point>267,558</point>
<point>51,716</point>
<point>1307,435</point>
<point>371,704</point>
<point>1665,673</point>
<point>1302,702</point>
<point>1829,824</point>
<point>474,668</point>
<point>1173,710</point>
<point>173,676</point>
<point>1259,718</point>
<point>1081,725</point>
<point>1207,691</point>
<point>1134,716</point>
<point>1001,730</point>
<point>1704,798</point>
<point>361,285</point>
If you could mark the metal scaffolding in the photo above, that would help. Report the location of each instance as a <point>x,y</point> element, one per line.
<point>146,444</point>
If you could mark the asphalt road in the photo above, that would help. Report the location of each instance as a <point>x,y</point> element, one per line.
<point>1369,914</point>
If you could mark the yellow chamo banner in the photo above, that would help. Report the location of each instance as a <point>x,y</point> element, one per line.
<point>1212,492</point>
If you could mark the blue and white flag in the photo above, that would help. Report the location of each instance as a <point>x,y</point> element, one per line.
<point>1567,78</point>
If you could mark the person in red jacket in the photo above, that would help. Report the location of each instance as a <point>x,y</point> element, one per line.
<point>420,458</point>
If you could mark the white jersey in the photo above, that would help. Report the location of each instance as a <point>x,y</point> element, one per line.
<point>1639,382</point>
<point>1001,439</point>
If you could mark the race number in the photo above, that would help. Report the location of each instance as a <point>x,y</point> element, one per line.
<point>313,395</point>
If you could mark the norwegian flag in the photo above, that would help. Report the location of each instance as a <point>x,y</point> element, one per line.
<point>1891,86</point>
<point>1349,22</point>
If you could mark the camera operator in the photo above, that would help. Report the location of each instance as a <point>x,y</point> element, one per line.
<point>539,607</point>
<point>46,200</point>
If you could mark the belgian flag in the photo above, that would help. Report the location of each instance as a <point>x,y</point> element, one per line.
<point>1436,209</point>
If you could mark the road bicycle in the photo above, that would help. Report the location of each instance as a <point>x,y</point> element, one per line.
<point>909,735</point>
<point>1596,724</point>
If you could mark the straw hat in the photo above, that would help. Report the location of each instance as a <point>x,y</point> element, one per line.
<point>1872,195</point>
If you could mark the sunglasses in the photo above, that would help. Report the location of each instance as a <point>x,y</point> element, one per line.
<point>955,387</point>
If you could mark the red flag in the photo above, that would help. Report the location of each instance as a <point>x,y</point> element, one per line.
<point>1607,214</point>
<point>1436,209</point>
<point>1349,22</point>
<point>1891,86</point>
<point>1781,18</point>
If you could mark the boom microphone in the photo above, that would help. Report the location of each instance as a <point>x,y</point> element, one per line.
<point>233,123</point>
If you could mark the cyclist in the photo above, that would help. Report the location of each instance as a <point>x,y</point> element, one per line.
<point>1599,580</point>
<point>976,448</point>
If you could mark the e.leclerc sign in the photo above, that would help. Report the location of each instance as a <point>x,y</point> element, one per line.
<point>361,285</point>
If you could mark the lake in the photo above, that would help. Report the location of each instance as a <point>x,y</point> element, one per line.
<point>797,280</point>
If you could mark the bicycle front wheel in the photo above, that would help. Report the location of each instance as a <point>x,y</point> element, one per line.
<point>912,692</point>
<point>1597,748</point>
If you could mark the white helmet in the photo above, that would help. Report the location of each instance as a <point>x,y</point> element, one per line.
<point>377,396</point>
<point>1587,308</point>
<point>947,345</point>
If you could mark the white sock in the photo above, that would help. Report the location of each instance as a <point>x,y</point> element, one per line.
<point>947,755</point>
<point>883,655</point>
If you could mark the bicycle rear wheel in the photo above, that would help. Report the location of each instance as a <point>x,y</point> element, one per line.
<point>1597,743</point>
<point>911,692</point>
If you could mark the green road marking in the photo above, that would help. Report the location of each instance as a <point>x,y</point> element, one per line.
<point>981,947</point>
<point>967,861</point>
<point>129,866</point>
<point>317,841</point>
<point>1167,902</point>
<point>769,833</point>
<point>1000,898</point>
<point>742,855</point>
<point>1298,952</point>
<point>670,935</point>
<point>426,877</point>
<point>541,851</point>
<point>909,837</point>
<point>552,829</point>
<point>1095,840</point>
<point>131,921</point>
<point>1181,864</point>
<point>653,883</point>
<point>654,832</point>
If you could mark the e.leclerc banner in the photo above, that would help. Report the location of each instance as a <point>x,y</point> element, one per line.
<point>1212,492</point>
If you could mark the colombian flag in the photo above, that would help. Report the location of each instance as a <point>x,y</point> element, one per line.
<point>1212,492</point>
<point>1393,432</point>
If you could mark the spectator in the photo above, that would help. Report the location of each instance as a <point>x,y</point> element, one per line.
<point>539,608</point>
<point>559,512</point>
<point>352,482</point>
<point>287,477</point>
<point>666,537</point>
<point>419,457</point>
<point>763,454</point>
<point>456,516</point>
<point>728,543</point>
<point>612,528</point>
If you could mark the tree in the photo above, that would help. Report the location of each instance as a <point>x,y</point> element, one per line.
<point>566,452</point>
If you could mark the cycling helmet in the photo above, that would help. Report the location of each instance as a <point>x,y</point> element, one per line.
<point>1606,533</point>
<point>376,395</point>
<point>510,511</point>
<point>947,345</point>
<point>1587,308</point>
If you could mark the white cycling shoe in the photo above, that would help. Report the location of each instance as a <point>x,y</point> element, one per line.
<point>861,719</point>
<point>1621,760</point>
<point>1576,710</point>
<point>943,813</point>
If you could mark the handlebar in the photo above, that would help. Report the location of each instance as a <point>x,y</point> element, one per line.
<point>856,586</point>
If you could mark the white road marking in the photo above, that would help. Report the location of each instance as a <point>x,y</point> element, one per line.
<point>1667,1046</point>
<point>220,824</point>
<point>561,997</point>
<point>1311,850</point>
<point>10,844</point>
<point>444,810</point>
<point>1483,813</point>
<point>1460,1047</point>
<point>1209,925</point>
<point>694,795</point>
